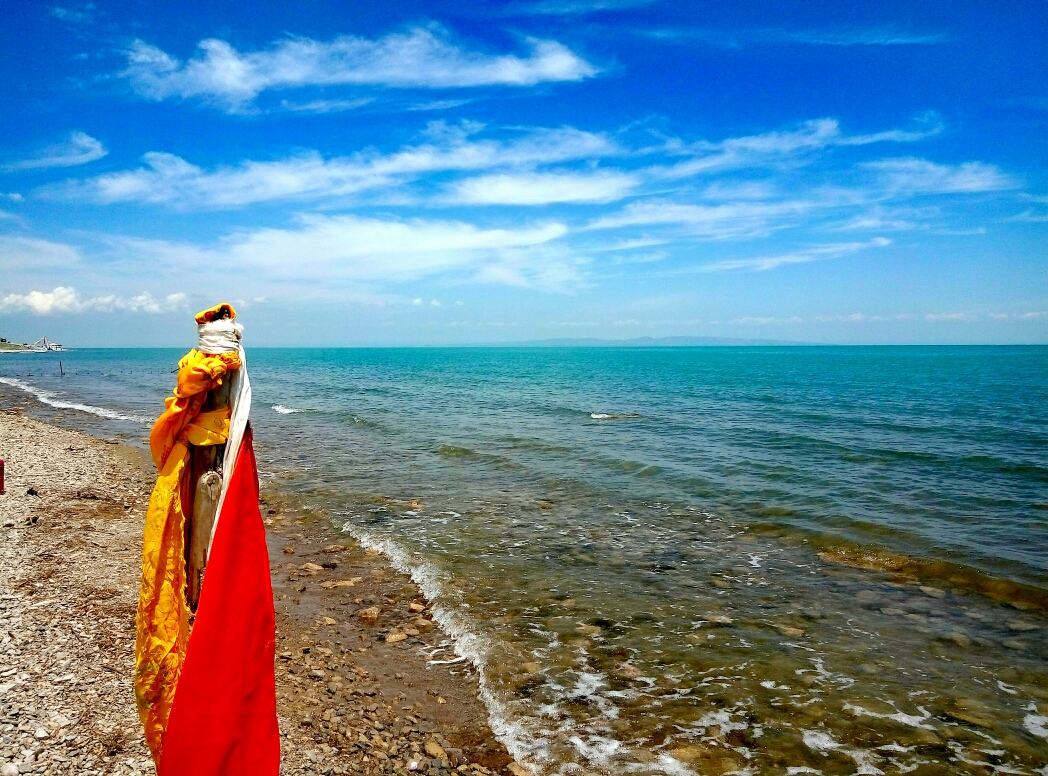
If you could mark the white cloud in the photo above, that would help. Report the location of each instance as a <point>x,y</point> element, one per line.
<point>354,250</point>
<point>571,7</point>
<point>67,300</point>
<point>376,249</point>
<point>79,148</point>
<point>772,147</point>
<point>83,14</point>
<point>919,176</point>
<point>1030,316</point>
<point>325,106</point>
<point>819,253</point>
<point>167,178</point>
<point>29,253</point>
<point>422,57</point>
<point>736,39</point>
<point>543,188</point>
<point>733,219</point>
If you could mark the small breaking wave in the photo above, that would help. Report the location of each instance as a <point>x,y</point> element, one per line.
<point>51,398</point>
<point>286,410</point>
<point>613,415</point>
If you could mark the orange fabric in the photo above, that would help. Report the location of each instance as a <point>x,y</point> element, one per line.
<point>163,614</point>
<point>208,315</point>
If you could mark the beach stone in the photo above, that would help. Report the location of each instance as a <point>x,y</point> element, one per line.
<point>9,769</point>
<point>629,671</point>
<point>289,550</point>
<point>369,616</point>
<point>789,630</point>
<point>934,592</point>
<point>393,638</point>
<point>435,750</point>
<point>416,607</point>
<point>719,619</point>
<point>518,770</point>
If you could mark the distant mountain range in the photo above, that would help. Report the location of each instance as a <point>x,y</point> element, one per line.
<point>648,342</point>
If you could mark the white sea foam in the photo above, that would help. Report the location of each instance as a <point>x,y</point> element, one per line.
<point>613,415</point>
<point>468,644</point>
<point>51,398</point>
<point>819,741</point>
<point>911,720</point>
<point>1036,723</point>
<point>286,410</point>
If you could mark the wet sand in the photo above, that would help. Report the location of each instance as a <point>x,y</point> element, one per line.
<point>366,683</point>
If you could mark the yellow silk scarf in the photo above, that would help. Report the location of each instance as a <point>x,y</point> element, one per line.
<point>162,625</point>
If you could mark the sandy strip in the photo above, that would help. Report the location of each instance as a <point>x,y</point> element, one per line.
<point>357,690</point>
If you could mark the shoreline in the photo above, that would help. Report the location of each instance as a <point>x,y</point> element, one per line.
<point>358,691</point>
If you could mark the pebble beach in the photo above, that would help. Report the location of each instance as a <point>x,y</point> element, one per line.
<point>366,682</point>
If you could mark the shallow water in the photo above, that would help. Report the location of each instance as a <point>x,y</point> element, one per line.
<point>764,560</point>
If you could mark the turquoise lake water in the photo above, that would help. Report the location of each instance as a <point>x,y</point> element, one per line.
<point>679,559</point>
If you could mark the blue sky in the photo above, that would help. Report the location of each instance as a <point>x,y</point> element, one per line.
<point>429,173</point>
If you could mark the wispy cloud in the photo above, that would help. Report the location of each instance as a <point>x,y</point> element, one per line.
<point>817,253</point>
<point>420,58</point>
<point>371,250</point>
<point>771,147</point>
<point>22,253</point>
<point>870,37</point>
<point>571,7</point>
<point>166,178</point>
<point>733,219</point>
<point>325,106</point>
<point>737,39</point>
<point>543,188</point>
<point>66,299</point>
<point>515,155</point>
<point>78,14</point>
<point>79,148</point>
<point>920,176</point>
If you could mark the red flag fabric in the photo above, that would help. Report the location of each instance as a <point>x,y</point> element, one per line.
<point>224,719</point>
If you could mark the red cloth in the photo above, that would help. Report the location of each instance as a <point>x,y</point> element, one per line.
<point>224,716</point>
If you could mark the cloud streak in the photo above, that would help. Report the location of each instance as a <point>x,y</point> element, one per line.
<point>354,250</point>
<point>420,58</point>
<point>737,39</point>
<point>543,188</point>
<point>920,176</point>
<point>772,147</point>
<point>66,299</point>
<point>78,148</point>
<point>512,163</point>
<point>169,179</point>
<point>818,253</point>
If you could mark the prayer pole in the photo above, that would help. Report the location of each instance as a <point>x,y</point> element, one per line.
<point>205,486</point>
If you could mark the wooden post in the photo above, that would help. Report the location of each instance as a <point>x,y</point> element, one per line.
<point>204,487</point>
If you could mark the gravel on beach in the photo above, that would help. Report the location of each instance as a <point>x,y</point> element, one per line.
<point>366,682</point>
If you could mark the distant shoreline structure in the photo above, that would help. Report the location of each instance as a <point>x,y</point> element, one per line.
<point>42,345</point>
